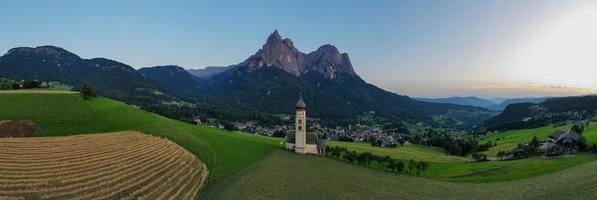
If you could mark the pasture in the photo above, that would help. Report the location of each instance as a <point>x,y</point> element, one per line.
<point>406,152</point>
<point>458,169</point>
<point>60,114</point>
<point>508,140</point>
<point>590,133</point>
<point>123,165</point>
<point>254,167</point>
<point>284,175</point>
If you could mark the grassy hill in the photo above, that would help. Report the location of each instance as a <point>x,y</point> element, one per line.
<point>406,152</point>
<point>244,166</point>
<point>58,114</point>
<point>313,177</point>
<point>591,133</point>
<point>458,169</point>
<point>508,140</point>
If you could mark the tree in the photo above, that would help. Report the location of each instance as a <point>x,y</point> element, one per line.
<point>87,91</point>
<point>501,155</point>
<point>28,84</point>
<point>594,149</point>
<point>479,157</point>
<point>582,143</point>
<point>230,127</point>
<point>391,165</point>
<point>578,128</point>
<point>386,161</point>
<point>411,165</point>
<point>400,166</point>
<point>535,142</point>
<point>421,167</point>
<point>372,140</point>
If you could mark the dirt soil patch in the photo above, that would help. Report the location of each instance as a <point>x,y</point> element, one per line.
<point>22,128</point>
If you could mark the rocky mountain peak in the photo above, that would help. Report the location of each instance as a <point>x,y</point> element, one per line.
<point>329,61</point>
<point>277,52</point>
<point>281,53</point>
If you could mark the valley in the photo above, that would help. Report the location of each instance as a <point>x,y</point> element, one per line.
<point>240,164</point>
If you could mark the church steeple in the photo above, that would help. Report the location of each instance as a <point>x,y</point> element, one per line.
<point>300,127</point>
<point>300,105</point>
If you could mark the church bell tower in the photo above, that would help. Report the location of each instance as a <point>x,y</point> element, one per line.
<point>300,128</point>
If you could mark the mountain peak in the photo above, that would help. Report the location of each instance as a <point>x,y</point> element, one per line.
<point>50,51</point>
<point>277,52</point>
<point>281,53</point>
<point>275,36</point>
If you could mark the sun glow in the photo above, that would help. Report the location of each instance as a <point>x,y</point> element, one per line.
<point>565,51</point>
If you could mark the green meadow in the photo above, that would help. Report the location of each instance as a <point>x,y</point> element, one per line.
<point>508,140</point>
<point>591,133</point>
<point>244,166</point>
<point>458,169</point>
<point>225,153</point>
<point>284,175</point>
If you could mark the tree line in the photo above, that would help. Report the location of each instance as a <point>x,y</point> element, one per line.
<point>410,167</point>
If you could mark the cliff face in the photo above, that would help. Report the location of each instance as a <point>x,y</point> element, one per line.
<point>282,54</point>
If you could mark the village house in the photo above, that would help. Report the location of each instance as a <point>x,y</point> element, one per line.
<point>561,141</point>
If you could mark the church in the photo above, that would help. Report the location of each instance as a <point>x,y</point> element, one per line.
<point>300,141</point>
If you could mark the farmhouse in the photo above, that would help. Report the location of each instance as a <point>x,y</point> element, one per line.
<point>561,141</point>
<point>300,141</point>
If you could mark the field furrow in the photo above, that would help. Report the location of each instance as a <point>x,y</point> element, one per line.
<point>122,165</point>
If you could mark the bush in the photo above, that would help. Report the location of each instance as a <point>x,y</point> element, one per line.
<point>345,138</point>
<point>479,157</point>
<point>29,84</point>
<point>230,127</point>
<point>87,91</point>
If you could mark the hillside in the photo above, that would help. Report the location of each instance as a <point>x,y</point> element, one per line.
<point>502,105</point>
<point>241,164</point>
<point>207,72</point>
<point>49,63</point>
<point>265,83</point>
<point>60,114</point>
<point>554,110</point>
<point>484,103</point>
<point>322,178</point>
<point>276,74</point>
<point>98,166</point>
<point>174,80</point>
<point>470,101</point>
<point>508,140</point>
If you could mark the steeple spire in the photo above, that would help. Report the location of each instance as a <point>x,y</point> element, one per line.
<point>301,104</point>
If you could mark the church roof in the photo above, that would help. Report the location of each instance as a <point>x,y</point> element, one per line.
<point>301,104</point>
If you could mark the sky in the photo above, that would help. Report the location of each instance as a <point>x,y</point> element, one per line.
<point>421,48</point>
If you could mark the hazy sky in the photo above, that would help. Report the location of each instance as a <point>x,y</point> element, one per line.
<point>505,48</point>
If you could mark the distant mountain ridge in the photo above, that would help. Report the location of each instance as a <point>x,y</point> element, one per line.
<point>484,103</point>
<point>175,80</point>
<point>271,80</point>
<point>207,72</point>
<point>553,110</point>
<point>266,83</point>
<point>471,101</point>
<point>109,77</point>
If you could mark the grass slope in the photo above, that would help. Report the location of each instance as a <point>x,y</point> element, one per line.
<point>238,169</point>
<point>406,152</point>
<point>591,133</point>
<point>457,169</point>
<point>59,114</point>
<point>508,140</point>
<point>311,177</point>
